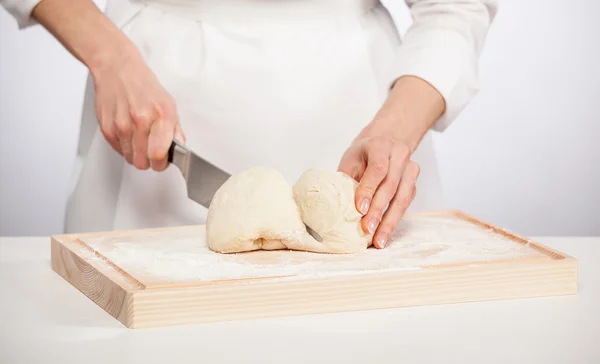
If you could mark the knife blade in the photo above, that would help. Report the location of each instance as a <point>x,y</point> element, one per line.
<point>202,178</point>
<point>313,233</point>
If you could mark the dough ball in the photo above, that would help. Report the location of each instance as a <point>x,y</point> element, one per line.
<point>326,202</point>
<point>256,210</point>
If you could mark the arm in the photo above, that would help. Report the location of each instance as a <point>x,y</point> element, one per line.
<point>436,68</point>
<point>436,76</point>
<point>136,115</point>
<point>410,110</point>
<point>85,32</point>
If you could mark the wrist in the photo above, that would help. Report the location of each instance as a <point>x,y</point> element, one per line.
<point>110,56</point>
<point>411,108</point>
<point>399,129</point>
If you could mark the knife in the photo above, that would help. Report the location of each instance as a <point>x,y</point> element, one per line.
<point>202,178</point>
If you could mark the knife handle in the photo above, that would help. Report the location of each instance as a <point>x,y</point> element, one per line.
<point>172,151</point>
<point>178,156</point>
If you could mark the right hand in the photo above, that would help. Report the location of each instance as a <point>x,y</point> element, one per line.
<point>137,116</point>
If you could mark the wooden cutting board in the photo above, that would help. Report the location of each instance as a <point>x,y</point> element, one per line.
<point>162,277</point>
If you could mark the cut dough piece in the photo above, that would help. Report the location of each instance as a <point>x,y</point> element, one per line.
<point>255,210</point>
<point>326,202</point>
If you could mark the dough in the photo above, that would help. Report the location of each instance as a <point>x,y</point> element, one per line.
<point>258,209</point>
<point>326,202</point>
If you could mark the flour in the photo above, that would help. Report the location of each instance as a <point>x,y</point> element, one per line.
<point>182,256</point>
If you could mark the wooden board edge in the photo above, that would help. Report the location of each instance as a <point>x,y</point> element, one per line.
<point>100,286</point>
<point>542,248</point>
<point>340,274</point>
<point>132,282</point>
<point>267,299</point>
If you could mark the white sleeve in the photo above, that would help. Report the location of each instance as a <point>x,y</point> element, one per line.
<point>442,46</point>
<point>21,11</point>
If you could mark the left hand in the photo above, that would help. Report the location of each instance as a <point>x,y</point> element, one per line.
<point>379,157</point>
<point>387,177</point>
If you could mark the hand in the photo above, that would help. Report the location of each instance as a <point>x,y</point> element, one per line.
<point>136,114</point>
<point>387,177</point>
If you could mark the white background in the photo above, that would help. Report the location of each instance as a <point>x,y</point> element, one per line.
<point>523,155</point>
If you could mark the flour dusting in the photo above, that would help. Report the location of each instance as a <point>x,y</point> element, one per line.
<point>182,256</point>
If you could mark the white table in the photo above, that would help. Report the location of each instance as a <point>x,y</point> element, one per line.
<point>43,319</point>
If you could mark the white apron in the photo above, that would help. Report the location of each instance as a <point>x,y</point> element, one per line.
<point>286,84</point>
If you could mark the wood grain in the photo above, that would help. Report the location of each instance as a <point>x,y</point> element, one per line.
<point>137,305</point>
<point>110,290</point>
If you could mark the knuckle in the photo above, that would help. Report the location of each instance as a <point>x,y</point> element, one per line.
<point>108,132</point>
<point>141,116</point>
<point>376,211</point>
<point>127,150</point>
<point>379,168</point>
<point>403,202</point>
<point>123,127</point>
<point>365,190</point>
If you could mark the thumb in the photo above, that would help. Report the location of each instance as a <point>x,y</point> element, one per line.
<point>352,165</point>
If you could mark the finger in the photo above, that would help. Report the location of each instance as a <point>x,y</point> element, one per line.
<point>159,142</point>
<point>142,119</point>
<point>107,127</point>
<point>116,145</point>
<point>385,193</point>
<point>124,131</point>
<point>140,149</point>
<point>162,134</point>
<point>378,160</point>
<point>398,206</point>
<point>110,135</point>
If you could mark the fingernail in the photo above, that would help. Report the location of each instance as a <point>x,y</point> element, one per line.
<point>372,225</point>
<point>381,240</point>
<point>364,206</point>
